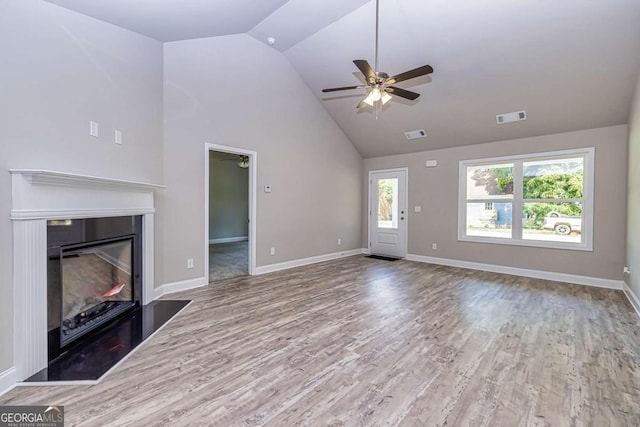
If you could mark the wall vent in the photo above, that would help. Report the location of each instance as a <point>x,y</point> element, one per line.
<point>420,133</point>
<point>516,116</point>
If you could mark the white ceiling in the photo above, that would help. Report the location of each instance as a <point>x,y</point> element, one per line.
<point>571,64</point>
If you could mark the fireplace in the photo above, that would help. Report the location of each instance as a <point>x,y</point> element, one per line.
<point>41,198</point>
<point>92,276</point>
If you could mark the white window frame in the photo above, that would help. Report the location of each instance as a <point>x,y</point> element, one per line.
<point>587,199</point>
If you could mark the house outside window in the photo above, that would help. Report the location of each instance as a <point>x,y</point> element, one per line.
<point>542,200</point>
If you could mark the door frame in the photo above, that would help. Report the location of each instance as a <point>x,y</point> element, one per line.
<point>406,200</point>
<point>253,168</point>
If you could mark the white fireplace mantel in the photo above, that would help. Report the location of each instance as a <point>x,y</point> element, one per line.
<point>41,195</point>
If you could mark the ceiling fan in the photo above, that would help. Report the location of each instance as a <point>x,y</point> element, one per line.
<point>243,161</point>
<point>379,85</point>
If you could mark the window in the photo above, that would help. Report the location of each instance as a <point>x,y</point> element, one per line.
<point>388,203</point>
<point>543,200</point>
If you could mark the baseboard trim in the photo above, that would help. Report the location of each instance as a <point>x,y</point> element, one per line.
<point>306,261</point>
<point>183,285</point>
<point>524,272</point>
<point>228,240</point>
<point>632,297</point>
<point>7,380</point>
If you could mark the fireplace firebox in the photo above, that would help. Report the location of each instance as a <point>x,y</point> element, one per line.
<point>93,276</point>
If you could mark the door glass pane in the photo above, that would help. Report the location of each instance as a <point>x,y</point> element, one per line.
<point>489,219</point>
<point>555,222</point>
<point>388,203</point>
<point>490,182</point>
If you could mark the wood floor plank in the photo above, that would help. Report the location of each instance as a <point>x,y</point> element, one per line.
<point>362,342</point>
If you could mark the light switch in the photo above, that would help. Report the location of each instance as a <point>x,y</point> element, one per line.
<point>118,137</point>
<point>417,208</point>
<point>93,128</point>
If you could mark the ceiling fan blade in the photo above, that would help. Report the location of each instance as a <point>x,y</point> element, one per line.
<point>334,89</point>
<point>411,74</point>
<point>366,69</point>
<point>403,93</point>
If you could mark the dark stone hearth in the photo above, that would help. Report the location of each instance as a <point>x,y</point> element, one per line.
<point>91,358</point>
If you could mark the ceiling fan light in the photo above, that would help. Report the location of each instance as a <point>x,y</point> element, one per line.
<point>244,162</point>
<point>369,100</point>
<point>374,96</point>
<point>385,98</point>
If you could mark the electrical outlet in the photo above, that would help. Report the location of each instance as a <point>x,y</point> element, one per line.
<point>434,246</point>
<point>273,251</point>
<point>339,241</point>
<point>189,262</point>
<point>626,270</point>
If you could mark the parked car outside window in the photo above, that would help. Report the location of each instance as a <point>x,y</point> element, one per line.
<point>562,224</point>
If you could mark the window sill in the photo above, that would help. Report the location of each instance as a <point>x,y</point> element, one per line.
<point>585,247</point>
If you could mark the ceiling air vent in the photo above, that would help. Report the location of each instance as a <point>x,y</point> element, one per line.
<point>414,134</point>
<point>516,116</point>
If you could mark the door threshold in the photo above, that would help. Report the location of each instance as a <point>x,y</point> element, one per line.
<point>382,257</point>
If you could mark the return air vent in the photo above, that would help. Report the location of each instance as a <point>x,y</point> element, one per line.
<point>516,116</point>
<point>414,134</point>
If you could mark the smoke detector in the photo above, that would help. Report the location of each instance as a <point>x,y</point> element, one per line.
<point>516,116</point>
<point>271,41</point>
<point>414,134</point>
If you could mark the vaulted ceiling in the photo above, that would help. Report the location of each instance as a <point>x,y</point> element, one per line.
<point>571,64</point>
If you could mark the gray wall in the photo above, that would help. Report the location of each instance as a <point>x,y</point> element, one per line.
<point>436,190</point>
<point>228,198</point>
<point>59,71</point>
<point>237,91</point>
<point>633,196</point>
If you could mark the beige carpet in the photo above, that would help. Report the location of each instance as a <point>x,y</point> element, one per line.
<point>228,260</point>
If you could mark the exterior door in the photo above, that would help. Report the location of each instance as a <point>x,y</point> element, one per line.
<point>388,212</point>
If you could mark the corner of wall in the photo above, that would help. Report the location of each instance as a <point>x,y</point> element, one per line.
<point>632,253</point>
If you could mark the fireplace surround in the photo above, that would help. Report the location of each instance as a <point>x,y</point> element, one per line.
<point>39,196</point>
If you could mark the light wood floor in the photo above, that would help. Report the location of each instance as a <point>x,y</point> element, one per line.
<point>362,342</point>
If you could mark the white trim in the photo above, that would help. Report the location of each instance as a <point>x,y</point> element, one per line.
<point>183,285</point>
<point>103,376</point>
<point>48,177</point>
<point>524,272</point>
<point>148,278</point>
<point>253,189</point>
<point>632,297</point>
<point>228,240</point>
<point>588,153</point>
<point>7,380</point>
<point>25,214</point>
<point>306,261</point>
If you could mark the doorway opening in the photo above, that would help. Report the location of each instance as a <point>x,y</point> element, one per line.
<point>388,212</point>
<point>230,209</point>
